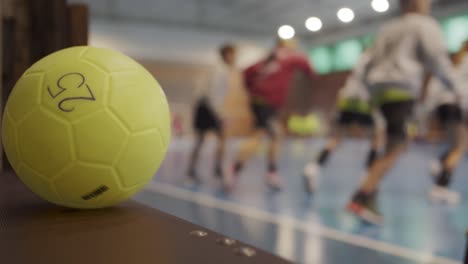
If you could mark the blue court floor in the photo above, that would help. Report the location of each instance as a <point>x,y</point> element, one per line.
<point>316,229</point>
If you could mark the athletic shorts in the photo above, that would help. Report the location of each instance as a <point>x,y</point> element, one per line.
<point>396,115</point>
<point>449,114</point>
<point>347,118</point>
<point>354,111</point>
<point>205,118</point>
<point>264,115</point>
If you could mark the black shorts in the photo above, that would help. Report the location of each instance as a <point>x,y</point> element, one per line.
<point>396,115</point>
<point>205,118</point>
<point>448,114</point>
<point>264,115</point>
<point>347,118</point>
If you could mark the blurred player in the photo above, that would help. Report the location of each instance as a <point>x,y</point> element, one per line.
<point>209,111</point>
<point>405,48</point>
<point>449,114</point>
<point>462,72</point>
<point>268,83</point>
<point>354,113</point>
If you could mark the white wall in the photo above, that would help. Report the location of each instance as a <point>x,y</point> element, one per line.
<point>174,44</point>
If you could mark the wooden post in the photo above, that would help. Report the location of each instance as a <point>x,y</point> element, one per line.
<point>49,27</point>
<point>30,30</point>
<point>22,40</point>
<point>78,24</point>
<point>1,81</point>
<point>8,50</point>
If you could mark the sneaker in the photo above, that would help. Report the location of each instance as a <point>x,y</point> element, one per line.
<point>365,207</point>
<point>273,180</point>
<point>311,176</point>
<point>443,194</point>
<point>435,167</point>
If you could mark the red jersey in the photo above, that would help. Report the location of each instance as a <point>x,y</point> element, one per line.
<point>270,79</point>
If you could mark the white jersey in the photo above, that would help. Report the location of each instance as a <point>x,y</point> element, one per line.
<point>462,73</point>
<point>438,95</point>
<point>405,49</point>
<point>354,87</point>
<point>216,90</point>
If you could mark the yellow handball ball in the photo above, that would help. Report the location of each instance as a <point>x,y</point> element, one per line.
<point>86,127</point>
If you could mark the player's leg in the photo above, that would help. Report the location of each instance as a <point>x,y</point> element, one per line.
<point>450,116</point>
<point>343,122</point>
<point>212,122</point>
<point>250,145</point>
<point>394,148</point>
<point>363,202</point>
<point>374,126</point>
<point>275,135</point>
<point>219,153</point>
<point>247,149</point>
<point>194,156</point>
<point>333,141</point>
<point>439,116</point>
<point>312,169</point>
<point>373,150</point>
<point>200,126</point>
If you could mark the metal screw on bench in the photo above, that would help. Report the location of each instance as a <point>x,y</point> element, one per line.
<point>198,233</point>
<point>225,241</point>
<point>245,251</point>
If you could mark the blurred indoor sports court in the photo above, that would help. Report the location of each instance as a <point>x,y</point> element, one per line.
<point>277,168</point>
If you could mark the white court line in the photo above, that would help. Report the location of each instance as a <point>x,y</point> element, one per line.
<point>307,227</point>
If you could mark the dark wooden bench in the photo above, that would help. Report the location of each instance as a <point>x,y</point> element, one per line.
<point>34,231</point>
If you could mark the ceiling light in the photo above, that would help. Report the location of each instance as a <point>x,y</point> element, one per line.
<point>286,32</point>
<point>313,24</point>
<point>345,15</point>
<point>380,5</point>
